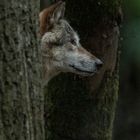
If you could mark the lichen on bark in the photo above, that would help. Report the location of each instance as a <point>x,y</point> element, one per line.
<point>21,98</point>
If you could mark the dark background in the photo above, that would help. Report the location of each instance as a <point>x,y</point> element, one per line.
<point>127,123</point>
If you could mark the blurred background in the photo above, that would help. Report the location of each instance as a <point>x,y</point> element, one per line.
<point>127,123</point>
<point>127,120</point>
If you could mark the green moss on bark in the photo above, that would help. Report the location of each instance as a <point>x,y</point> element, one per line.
<point>73,114</point>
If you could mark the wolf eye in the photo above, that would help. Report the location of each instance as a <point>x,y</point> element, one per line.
<point>73,41</point>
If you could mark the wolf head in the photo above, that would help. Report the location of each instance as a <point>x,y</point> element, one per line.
<point>61,48</point>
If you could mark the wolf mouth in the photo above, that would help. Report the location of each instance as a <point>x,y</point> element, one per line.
<point>83,71</point>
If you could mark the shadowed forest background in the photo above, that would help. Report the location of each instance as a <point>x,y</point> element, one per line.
<point>127,123</point>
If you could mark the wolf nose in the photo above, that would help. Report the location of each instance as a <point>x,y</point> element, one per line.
<point>98,63</point>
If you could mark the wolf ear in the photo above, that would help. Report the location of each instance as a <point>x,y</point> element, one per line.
<point>51,15</point>
<point>58,13</point>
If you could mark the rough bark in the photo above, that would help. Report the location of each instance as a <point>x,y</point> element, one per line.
<point>21,98</point>
<point>83,108</point>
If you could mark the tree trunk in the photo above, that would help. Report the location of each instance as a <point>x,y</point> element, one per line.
<point>21,98</point>
<point>80,108</point>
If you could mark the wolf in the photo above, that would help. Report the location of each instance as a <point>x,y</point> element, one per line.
<point>60,46</point>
